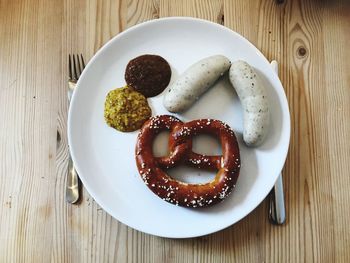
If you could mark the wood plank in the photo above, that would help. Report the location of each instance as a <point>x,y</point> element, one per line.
<point>336,25</point>
<point>206,9</point>
<point>237,242</point>
<point>27,100</point>
<point>298,30</point>
<point>91,234</point>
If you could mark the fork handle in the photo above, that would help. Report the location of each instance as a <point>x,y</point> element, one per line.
<point>72,184</point>
<point>71,87</point>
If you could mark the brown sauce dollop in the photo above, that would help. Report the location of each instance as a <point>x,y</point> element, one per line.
<point>148,74</point>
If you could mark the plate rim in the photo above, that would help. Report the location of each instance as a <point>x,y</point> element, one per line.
<point>284,103</point>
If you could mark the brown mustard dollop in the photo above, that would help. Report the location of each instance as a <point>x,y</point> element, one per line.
<point>126,110</point>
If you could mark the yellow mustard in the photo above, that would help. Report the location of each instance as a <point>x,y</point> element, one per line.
<point>126,110</point>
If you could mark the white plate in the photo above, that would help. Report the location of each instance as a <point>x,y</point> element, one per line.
<point>104,158</point>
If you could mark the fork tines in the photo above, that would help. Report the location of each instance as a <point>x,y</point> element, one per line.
<point>77,67</point>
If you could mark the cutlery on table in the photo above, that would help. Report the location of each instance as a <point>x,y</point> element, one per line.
<point>76,66</point>
<point>277,212</point>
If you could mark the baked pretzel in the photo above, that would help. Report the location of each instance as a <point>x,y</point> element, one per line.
<point>180,147</point>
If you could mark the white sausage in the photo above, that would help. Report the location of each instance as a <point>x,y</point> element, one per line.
<point>194,82</point>
<point>253,96</point>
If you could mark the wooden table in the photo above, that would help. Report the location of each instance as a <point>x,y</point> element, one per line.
<point>309,38</point>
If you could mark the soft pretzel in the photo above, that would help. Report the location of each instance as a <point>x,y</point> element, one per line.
<point>180,146</point>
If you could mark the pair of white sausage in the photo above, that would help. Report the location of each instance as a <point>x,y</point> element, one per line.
<point>252,94</point>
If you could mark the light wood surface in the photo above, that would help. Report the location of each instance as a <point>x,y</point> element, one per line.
<point>309,38</point>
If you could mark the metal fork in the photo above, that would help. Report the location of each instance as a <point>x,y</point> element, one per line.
<point>73,183</point>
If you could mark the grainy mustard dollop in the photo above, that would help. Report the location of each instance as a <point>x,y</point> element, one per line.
<point>126,110</point>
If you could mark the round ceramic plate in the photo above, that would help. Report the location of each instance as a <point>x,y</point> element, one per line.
<point>105,158</point>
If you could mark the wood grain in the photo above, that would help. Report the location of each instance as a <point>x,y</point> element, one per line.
<point>309,39</point>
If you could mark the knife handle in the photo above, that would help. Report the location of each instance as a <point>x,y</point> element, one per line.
<point>277,210</point>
